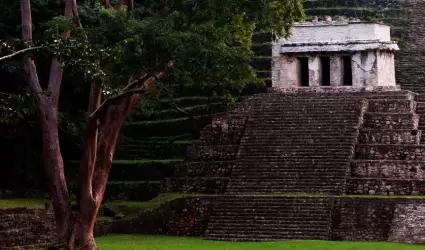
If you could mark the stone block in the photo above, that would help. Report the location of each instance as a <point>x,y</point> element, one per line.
<point>363,186</point>
<point>392,106</point>
<point>371,136</point>
<point>402,170</point>
<point>390,152</point>
<point>390,121</point>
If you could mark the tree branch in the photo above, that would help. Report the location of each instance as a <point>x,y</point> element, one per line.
<point>88,160</point>
<point>98,112</point>
<point>131,89</point>
<point>76,14</point>
<point>29,65</point>
<point>56,70</point>
<point>20,52</point>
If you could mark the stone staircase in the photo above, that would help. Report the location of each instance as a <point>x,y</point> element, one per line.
<point>270,218</point>
<point>304,143</point>
<point>210,159</point>
<point>389,158</point>
<point>23,228</point>
<point>297,144</point>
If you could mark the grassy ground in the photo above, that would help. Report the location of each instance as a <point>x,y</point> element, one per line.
<point>164,197</point>
<point>23,202</point>
<point>136,242</point>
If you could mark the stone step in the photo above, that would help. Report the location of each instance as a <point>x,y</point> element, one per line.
<point>219,138</point>
<point>297,147</point>
<point>227,220</point>
<point>267,228</point>
<point>289,181</point>
<point>259,171</point>
<point>390,152</point>
<point>282,200</point>
<point>317,138</point>
<point>391,120</point>
<point>308,109</point>
<point>403,170</point>
<point>293,145</point>
<point>204,169</point>
<point>285,134</point>
<point>257,238</point>
<point>245,215</point>
<point>304,112</point>
<point>392,106</point>
<point>291,168</point>
<point>215,152</point>
<point>294,174</point>
<point>274,234</point>
<point>297,154</point>
<point>294,157</point>
<point>389,136</point>
<point>287,123</point>
<point>302,169</point>
<point>316,189</point>
<point>277,161</point>
<point>289,202</point>
<point>206,185</point>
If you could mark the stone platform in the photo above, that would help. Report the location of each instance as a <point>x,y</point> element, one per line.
<point>301,142</point>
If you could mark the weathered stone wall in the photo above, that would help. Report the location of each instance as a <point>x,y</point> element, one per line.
<point>26,228</point>
<point>371,219</point>
<point>357,219</point>
<point>181,217</point>
<point>209,160</point>
<point>408,224</point>
<point>362,219</point>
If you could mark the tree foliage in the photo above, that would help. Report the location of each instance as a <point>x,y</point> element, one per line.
<point>125,53</point>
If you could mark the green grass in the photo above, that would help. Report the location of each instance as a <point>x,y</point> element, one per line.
<point>22,202</point>
<point>136,242</point>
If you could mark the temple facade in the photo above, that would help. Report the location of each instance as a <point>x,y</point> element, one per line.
<point>336,54</point>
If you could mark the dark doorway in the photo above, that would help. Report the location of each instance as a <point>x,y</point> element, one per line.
<point>348,72</point>
<point>304,75</point>
<point>325,63</point>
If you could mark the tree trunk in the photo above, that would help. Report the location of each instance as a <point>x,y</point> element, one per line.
<point>53,164</point>
<point>99,143</point>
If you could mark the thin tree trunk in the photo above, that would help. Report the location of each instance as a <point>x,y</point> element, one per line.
<point>53,162</point>
<point>96,174</point>
<point>54,167</point>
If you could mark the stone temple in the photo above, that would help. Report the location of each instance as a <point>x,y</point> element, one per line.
<point>356,54</point>
<point>332,151</point>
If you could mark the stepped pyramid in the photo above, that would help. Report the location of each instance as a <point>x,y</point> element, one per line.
<point>284,162</point>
